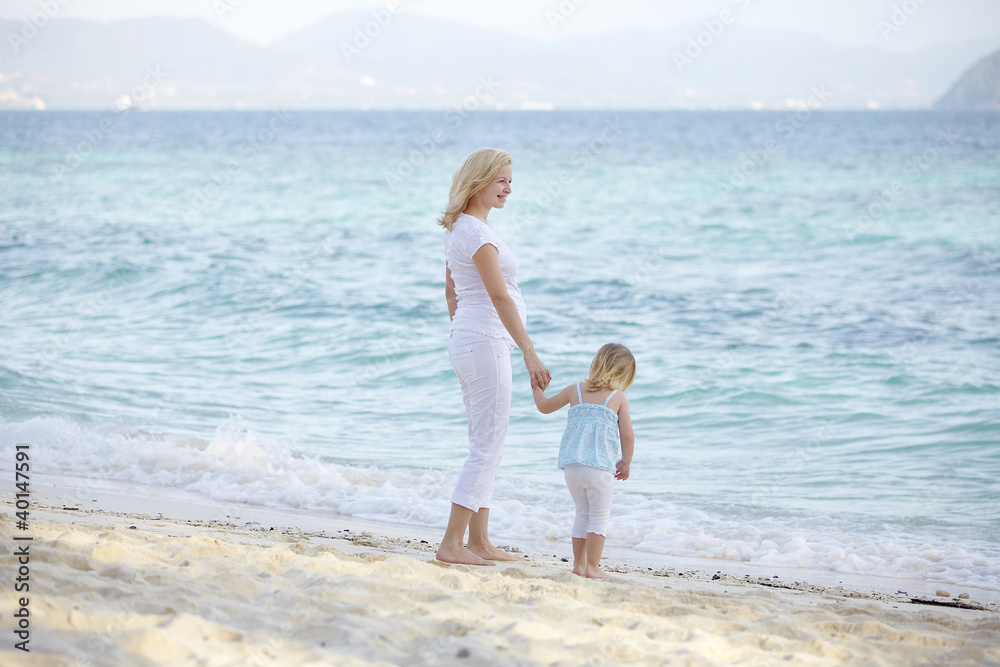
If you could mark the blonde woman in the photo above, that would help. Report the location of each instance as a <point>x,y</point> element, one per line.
<point>596,448</point>
<point>487,321</point>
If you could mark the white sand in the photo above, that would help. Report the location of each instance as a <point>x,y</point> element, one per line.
<point>116,583</point>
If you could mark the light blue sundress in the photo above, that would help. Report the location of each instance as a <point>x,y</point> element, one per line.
<point>591,437</point>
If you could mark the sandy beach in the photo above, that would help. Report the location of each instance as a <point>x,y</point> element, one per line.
<point>119,580</point>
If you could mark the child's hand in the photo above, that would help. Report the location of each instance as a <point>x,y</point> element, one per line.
<point>536,382</point>
<point>622,470</point>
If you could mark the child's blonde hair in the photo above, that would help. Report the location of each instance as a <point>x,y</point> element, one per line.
<point>613,367</point>
<point>478,170</point>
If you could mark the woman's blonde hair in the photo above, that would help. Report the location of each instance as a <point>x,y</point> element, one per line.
<point>478,169</point>
<point>613,367</point>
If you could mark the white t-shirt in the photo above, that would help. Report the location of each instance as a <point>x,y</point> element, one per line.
<point>475,310</point>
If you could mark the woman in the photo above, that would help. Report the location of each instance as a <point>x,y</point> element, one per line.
<point>487,321</point>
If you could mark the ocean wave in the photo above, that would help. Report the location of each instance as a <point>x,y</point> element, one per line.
<point>237,465</point>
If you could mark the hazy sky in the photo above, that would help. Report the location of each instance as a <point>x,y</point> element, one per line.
<point>841,22</point>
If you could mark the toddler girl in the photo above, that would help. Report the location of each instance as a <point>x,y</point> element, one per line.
<point>596,448</point>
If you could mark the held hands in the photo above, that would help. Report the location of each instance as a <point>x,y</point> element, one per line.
<point>622,470</point>
<point>541,379</point>
<point>540,375</point>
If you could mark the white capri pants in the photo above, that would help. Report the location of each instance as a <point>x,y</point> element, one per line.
<point>591,489</point>
<point>483,368</point>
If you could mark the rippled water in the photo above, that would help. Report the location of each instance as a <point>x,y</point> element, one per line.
<point>250,306</point>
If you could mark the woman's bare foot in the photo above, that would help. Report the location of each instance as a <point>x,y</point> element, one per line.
<point>594,572</point>
<point>460,555</point>
<point>490,552</point>
<point>580,571</point>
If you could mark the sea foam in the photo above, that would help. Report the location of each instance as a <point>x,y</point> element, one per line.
<point>238,465</point>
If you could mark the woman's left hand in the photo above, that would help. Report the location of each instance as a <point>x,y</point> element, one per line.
<point>540,375</point>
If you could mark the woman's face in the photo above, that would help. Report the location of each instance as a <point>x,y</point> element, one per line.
<point>494,195</point>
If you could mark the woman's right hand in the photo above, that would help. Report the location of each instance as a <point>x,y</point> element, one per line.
<point>540,375</point>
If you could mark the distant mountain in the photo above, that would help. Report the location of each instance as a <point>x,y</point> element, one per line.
<point>79,64</point>
<point>979,88</point>
<point>363,60</point>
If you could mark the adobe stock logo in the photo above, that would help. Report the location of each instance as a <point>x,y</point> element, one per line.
<point>363,35</point>
<point>565,9</point>
<point>900,16</point>
<point>451,120</point>
<point>124,104</point>
<point>714,28</point>
<point>30,27</point>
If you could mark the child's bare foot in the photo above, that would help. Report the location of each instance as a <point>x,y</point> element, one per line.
<point>490,552</point>
<point>461,555</point>
<point>597,573</point>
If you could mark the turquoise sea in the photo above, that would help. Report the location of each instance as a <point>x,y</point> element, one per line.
<point>249,307</point>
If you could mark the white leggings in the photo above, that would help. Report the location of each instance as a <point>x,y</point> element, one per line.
<point>591,489</point>
<point>483,368</point>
